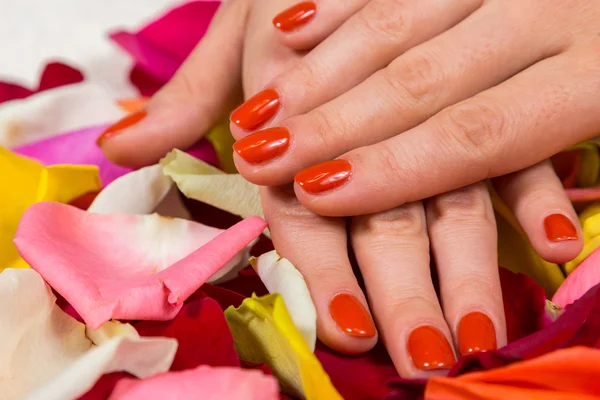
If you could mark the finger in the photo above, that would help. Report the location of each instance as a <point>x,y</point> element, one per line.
<point>303,25</point>
<point>367,42</point>
<point>505,129</point>
<point>317,246</point>
<point>538,200</point>
<point>192,102</point>
<point>392,249</point>
<point>462,230</point>
<point>444,71</point>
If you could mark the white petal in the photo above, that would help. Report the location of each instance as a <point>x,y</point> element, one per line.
<point>109,331</point>
<point>280,276</point>
<point>44,350</point>
<point>55,111</point>
<point>203,182</point>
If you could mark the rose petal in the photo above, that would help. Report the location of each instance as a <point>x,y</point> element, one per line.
<point>280,276</point>
<point>582,279</point>
<point>205,183</point>
<point>126,266</point>
<point>46,354</point>
<point>590,224</point>
<point>58,110</point>
<point>202,382</point>
<point>24,182</point>
<point>264,333</point>
<point>160,47</point>
<point>563,374</point>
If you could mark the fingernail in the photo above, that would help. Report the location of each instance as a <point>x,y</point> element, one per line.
<point>350,316</point>
<point>118,127</point>
<point>295,16</point>
<point>263,145</point>
<point>256,110</point>
<point>559,228</point>
<point>476,333</point>
<point>429,349</point>
<point>325,176</point>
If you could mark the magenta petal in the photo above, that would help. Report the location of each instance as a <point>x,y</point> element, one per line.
<point>57,74</point>
<point>582,279</point>
<point>161,47</point>
<point>201,332</point>
<point>204,382</point>
<point>125,266</point>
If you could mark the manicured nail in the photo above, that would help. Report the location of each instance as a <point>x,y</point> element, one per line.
<point>476,333</point>
<point>256,110</point>
<point>118,127</point>
<point>350,316</point>
<point>325,176</point>
<point>295,16</point>
<point>263,145</point>
<point>559,228</point>
<point>429,349</point>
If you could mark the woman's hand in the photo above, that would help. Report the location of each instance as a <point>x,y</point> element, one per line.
<point>417,97</point>
<point>392,247</point>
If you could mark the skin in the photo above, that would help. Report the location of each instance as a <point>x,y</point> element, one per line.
<point>429,151</point>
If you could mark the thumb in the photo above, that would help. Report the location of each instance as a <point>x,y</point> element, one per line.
<point>206,85</point>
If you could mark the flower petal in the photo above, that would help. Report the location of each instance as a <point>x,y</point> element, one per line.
<point>58,110</point>
<point>126,266</point>
<point>25,182</point>
<point>264,333</point>
<point>203,382</point>
<point>590,224</point>
<point>46,354</point>
<point>582,279</point>
<point>280,276</point>
<point>200,181</point>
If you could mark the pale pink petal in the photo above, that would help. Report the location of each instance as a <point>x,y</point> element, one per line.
<point>204,382</point>
<point>583,278</point>
<point>126,266</point>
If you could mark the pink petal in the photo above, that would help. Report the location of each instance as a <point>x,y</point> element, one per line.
<point>582,279</point>
<point>204,382</point>
<point>79,147</point>
<point>118,266</point>
<point>161,47</point>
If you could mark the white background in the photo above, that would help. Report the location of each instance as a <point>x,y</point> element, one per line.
<point>33,32</point>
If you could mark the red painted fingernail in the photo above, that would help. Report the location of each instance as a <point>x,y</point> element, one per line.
<point>263,145</point>
<point>295,16</point>
<point>119,126</point>
<point>476,333</point>
<point>351,316</point>
<point>559,228</point>
<point>256,110</point>
<point>429,349</point>
<point>325,176</point>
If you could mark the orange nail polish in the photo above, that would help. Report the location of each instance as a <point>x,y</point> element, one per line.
<point>350,316</point>
<point>118,127</point>
<point>325,176</point>
<point>263,145</point>
<point>559,228</point>
<point>295,16</point>
<point>476,333</point>
<point>256,110</point>
<point>429,349</point>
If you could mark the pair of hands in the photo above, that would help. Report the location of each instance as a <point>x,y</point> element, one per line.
<point>423,100</point>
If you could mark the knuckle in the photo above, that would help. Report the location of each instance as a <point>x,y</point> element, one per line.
<point>407,220</point>
<point>415,79</point>
<point>392,171</point>
<point>386,19</point>
<point>475,128</point>
<point>410,299</point>
<point>465,204</point>
<point>327,128</point>
<point>473,282</point>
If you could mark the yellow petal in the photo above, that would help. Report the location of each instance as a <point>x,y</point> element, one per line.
<point>590,222</point>
<point>221,139</point>
<point>264,333</point>
<point>516,253</point>
<point>23,182</point>
<point>590,163</point>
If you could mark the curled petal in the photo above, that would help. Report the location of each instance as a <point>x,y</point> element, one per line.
<point>280,276</point>
<point>590,224</point>
<point>126,266</point>
<point>23,182</point>
<point>582,279</point>
<point>208,383</point>
<point>45,354</point>
<point>200,181</point>
<point>264,333</point>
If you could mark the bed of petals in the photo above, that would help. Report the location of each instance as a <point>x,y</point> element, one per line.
<point>139,284</point>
